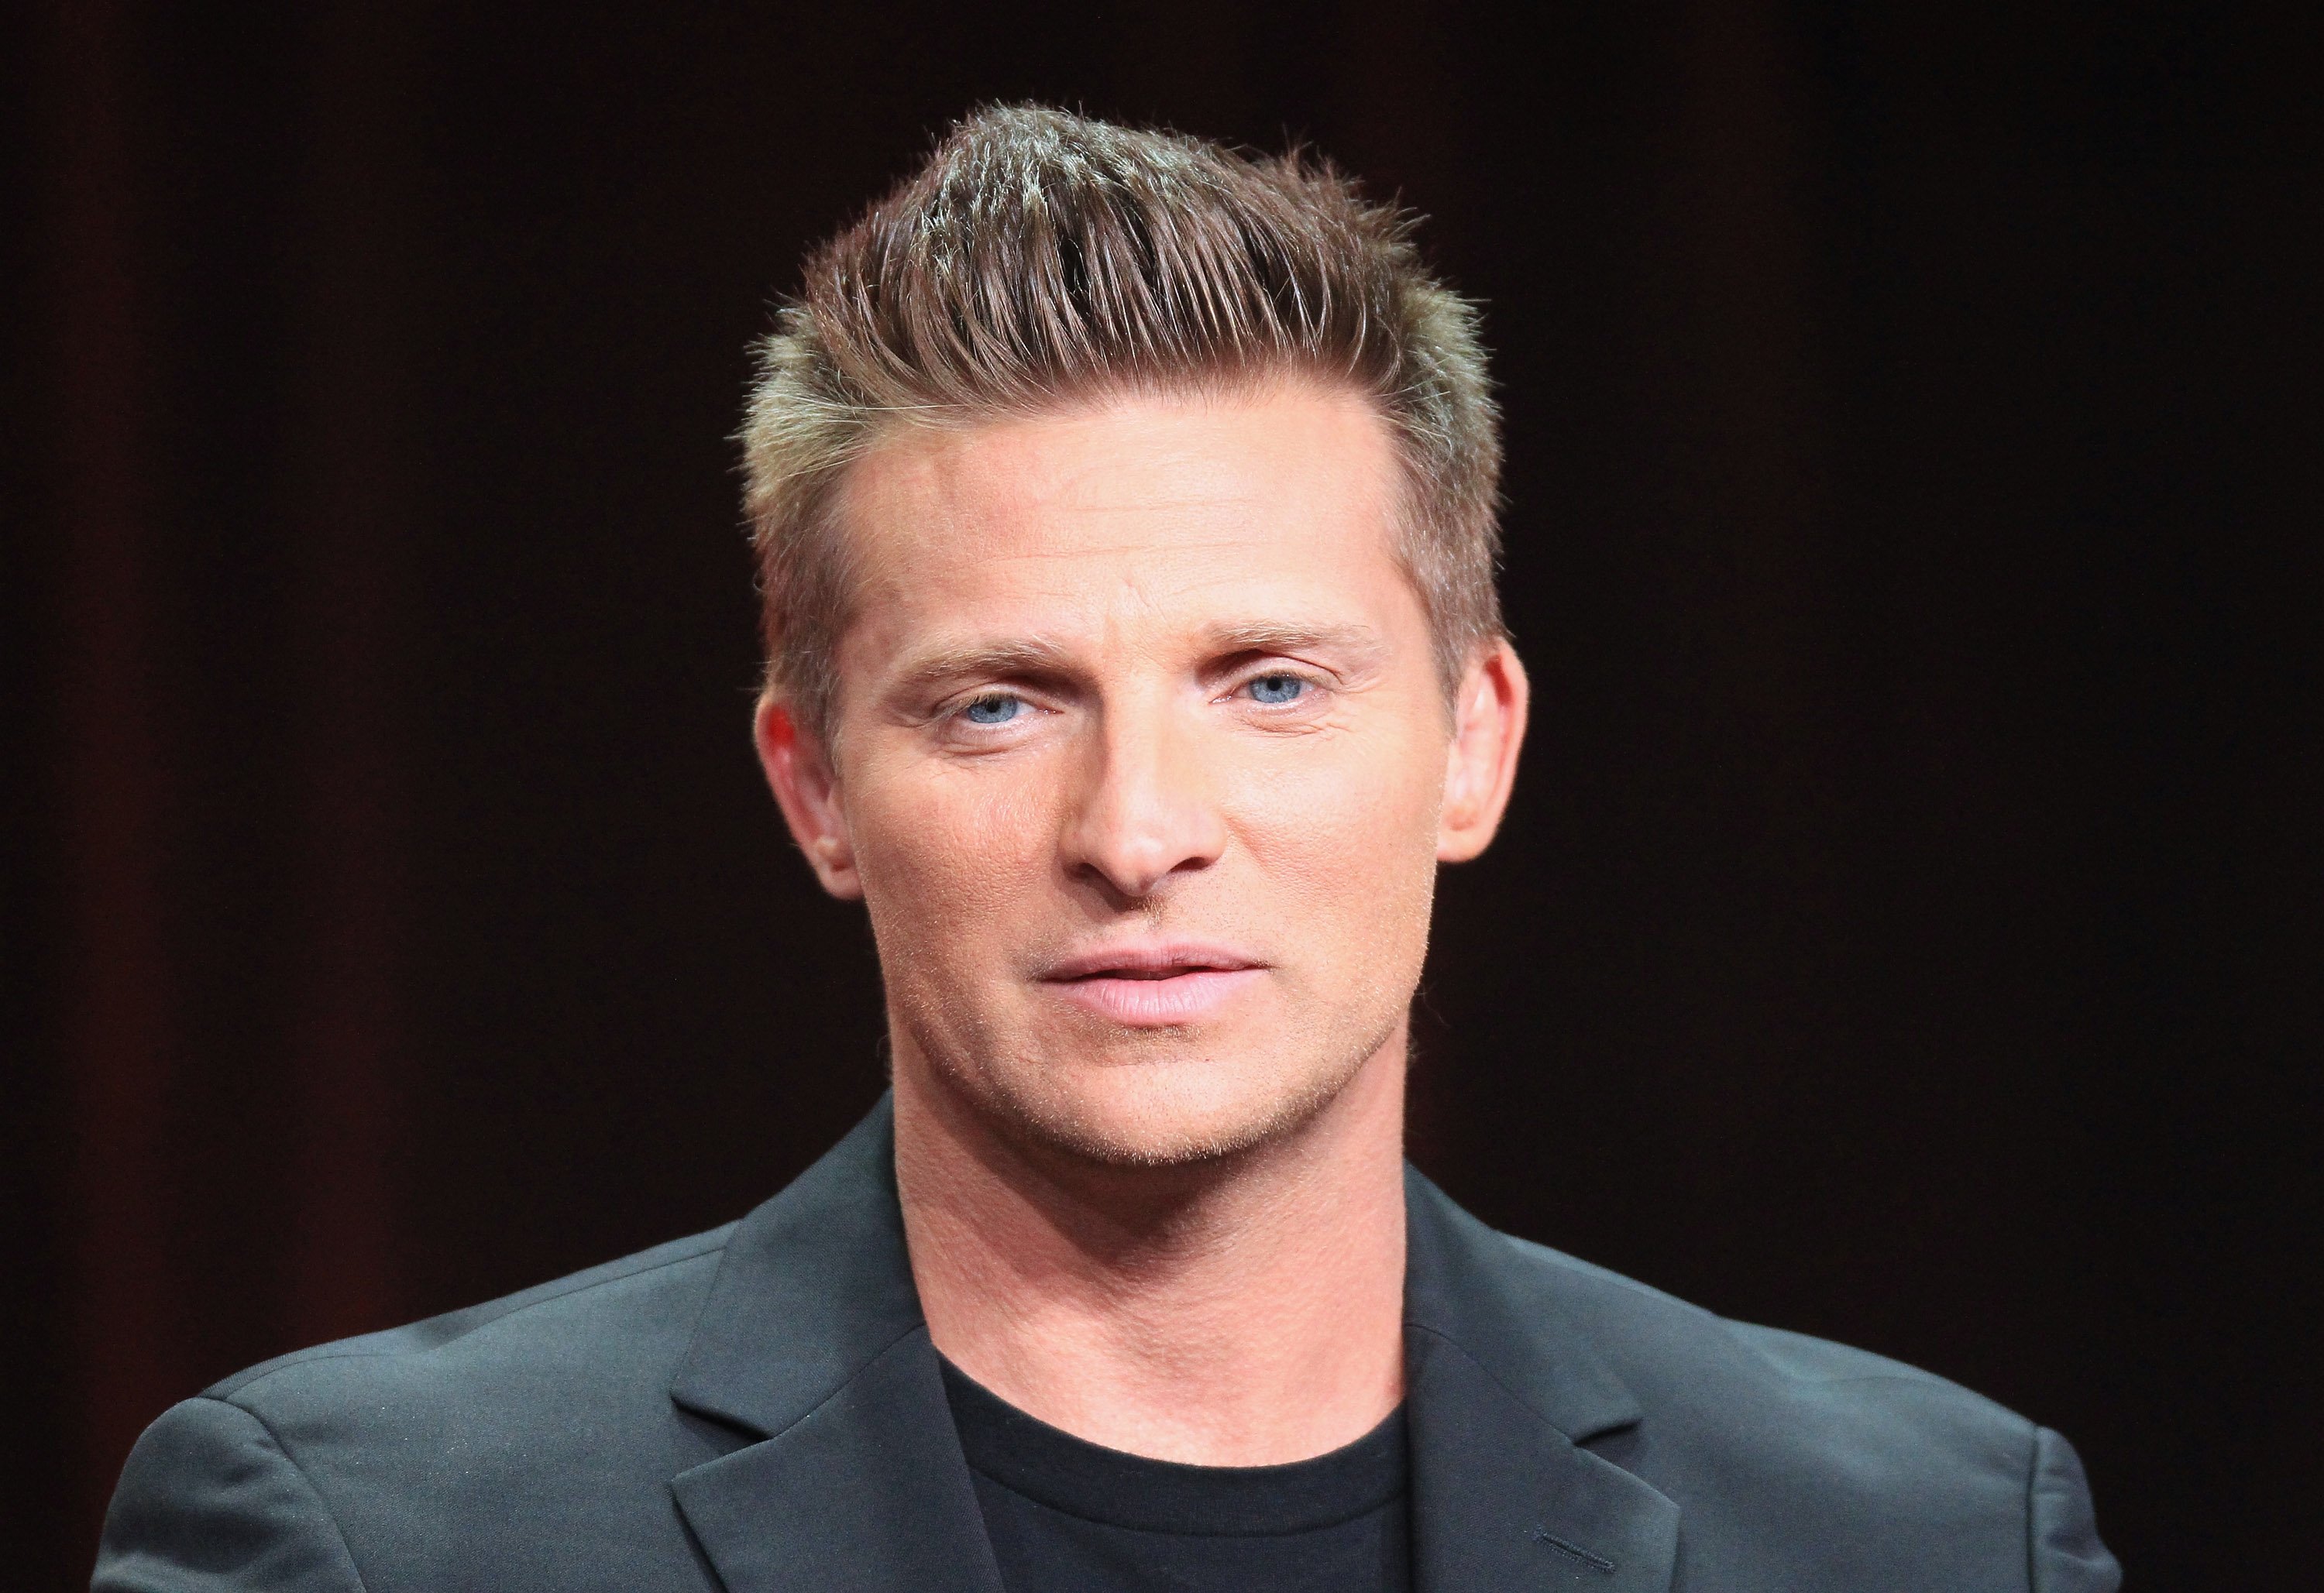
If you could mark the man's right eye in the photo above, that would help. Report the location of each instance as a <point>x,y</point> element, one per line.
<point>999,708</point>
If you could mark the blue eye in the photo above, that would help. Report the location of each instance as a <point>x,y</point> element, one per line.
<point>997,709</point>
<point>1275,690</point>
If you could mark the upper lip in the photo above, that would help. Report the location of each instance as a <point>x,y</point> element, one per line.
<point>1153,959</point>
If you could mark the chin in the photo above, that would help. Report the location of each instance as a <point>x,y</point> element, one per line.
<point>1169,1113</point>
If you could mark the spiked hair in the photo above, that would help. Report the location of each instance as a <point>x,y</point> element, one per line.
<point>1040,258</point>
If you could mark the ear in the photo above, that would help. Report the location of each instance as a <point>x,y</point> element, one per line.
<point>805,787</point>
<point>1481,765</point>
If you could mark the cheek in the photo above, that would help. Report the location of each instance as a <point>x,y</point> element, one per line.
<point>1353,835</point>
<point>946,853</point>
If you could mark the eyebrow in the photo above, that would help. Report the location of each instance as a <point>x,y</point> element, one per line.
<point>1365,644</point>
<point>1033,658</point>
<point>996,660</point>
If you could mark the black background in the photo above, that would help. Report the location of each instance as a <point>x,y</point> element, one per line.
<point>1906,930</point>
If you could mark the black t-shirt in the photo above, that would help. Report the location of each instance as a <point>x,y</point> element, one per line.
<point>1070,1516</point>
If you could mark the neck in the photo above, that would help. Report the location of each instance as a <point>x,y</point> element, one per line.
<point>1244,1311</point>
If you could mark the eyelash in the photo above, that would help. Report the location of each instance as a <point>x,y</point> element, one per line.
<point>1308,683</point>
<point>963,711</point>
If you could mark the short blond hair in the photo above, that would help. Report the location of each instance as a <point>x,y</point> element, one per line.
<point>1037,258</point>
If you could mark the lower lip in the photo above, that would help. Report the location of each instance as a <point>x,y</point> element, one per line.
<point>1156,1003</point>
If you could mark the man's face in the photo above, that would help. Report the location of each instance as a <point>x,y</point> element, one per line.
<point>1139,761</point>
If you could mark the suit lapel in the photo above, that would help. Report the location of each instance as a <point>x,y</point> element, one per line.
<point>813,1341</point>
<point>1500,1397</point>
<point>866,1491</point>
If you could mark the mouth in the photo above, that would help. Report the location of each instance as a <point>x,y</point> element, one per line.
<point>1154,986</point>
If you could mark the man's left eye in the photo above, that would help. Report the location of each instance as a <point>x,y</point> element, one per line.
<point>1276,689</point>
<point>994,708</point>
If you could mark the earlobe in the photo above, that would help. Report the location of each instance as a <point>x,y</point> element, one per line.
<point>806,788</point>
<point>1489,724</point>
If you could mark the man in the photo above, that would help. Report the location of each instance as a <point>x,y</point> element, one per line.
<point>1125,509</point>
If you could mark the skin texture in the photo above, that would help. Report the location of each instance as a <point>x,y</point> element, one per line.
<point>1143,768</point>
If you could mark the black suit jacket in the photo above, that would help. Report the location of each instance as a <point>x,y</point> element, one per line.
<point>760,1409</point>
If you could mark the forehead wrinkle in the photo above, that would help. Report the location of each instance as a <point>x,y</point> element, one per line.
<point>1140,552</point>
<point>1185,471</point>
<point>1151,589</point>
<point>1026,475</point>
<point>1098,491</point>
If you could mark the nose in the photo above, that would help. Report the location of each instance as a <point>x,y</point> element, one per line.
<point>1145,813</point>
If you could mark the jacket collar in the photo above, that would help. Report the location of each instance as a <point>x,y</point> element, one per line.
<point>813,1286</point>
<point>1500,1395</point>
<point>813,1342</point>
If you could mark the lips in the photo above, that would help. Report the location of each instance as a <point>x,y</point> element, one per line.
<point>1156,985</point>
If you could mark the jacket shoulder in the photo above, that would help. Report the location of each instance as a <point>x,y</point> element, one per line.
<point>619,1309</point>
<point>1661,1343</point>
<point>1798,1427</point>
<point>1806,1463</point>
<point>402,1459</point>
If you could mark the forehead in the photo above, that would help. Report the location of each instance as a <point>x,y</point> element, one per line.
<point>1214,508</point>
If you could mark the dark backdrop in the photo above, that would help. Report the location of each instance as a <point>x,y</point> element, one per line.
<point>1906,930</point>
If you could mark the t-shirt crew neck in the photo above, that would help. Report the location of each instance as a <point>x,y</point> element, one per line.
<point>1066,1515</point>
